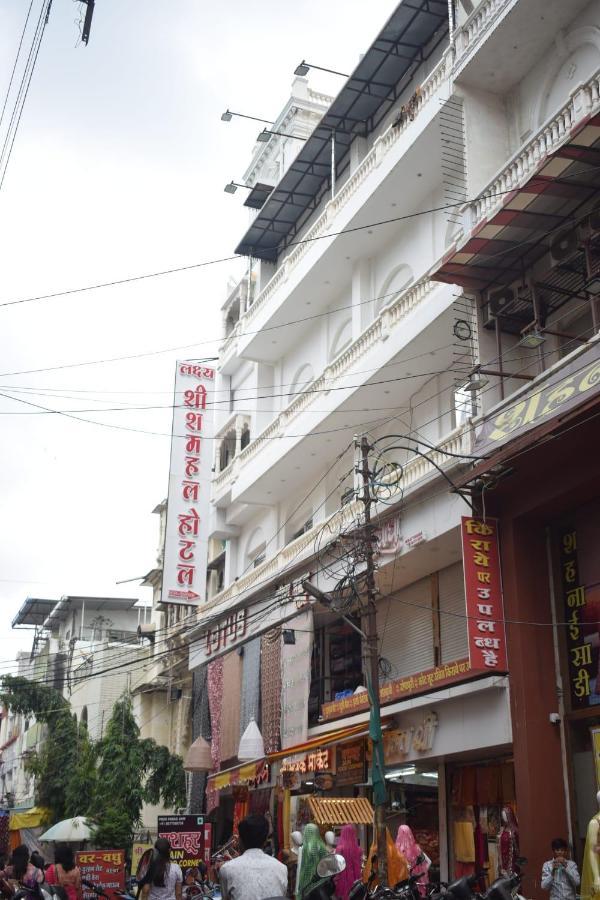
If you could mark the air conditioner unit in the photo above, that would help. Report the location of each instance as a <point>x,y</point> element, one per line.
<point>563,246</point>
<point>498,300</point>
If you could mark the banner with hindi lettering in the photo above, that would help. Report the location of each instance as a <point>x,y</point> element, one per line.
<point>483,594</point>
<point>187,530</point>
<point>190,838</point>
<point>104,868</point>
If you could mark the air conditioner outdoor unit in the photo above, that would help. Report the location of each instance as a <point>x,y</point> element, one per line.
<point>498,299</point>
<point>563,246</point>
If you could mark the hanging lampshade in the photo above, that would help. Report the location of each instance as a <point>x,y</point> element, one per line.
<point>198,757</point>
<point>252,745</point>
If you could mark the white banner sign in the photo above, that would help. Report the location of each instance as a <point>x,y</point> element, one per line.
<point>186,537</point>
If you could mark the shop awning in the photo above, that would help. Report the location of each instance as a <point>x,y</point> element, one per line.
<point>323,740</point>
<point>532,220</point>
<point>28,818</point>
<point>340,810</point>
<point>250,773</point>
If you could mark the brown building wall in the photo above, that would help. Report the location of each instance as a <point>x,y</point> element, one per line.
<point>549,480</point>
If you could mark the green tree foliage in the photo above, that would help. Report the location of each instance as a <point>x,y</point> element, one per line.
<point>109,780</point>
<point>62,765</point>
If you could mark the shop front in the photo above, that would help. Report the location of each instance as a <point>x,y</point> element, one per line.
<point>449,770</point>
<point>547,505</point>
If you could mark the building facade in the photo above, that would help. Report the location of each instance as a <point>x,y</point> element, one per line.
<point>434,292</point>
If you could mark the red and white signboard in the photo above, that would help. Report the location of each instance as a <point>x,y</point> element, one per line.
<point>186,537</point>
<point>483,593</point>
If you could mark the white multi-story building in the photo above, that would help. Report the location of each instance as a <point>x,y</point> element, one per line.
<point>362,314</point>
<point>85,648</point>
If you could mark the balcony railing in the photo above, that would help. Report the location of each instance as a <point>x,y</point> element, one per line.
<point>414,472</point>
<point>387,320</point>
<point>382,146</point>
<point>524,164</point>
<point>474,30</point>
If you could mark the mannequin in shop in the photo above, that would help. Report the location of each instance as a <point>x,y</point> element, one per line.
<point>330,841</point>
<point>296,848</point>
<point>590,879</point>
<point>508,843</point>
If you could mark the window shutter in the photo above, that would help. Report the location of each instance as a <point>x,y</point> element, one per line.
<point>453,627</point>
<point>405,629</point>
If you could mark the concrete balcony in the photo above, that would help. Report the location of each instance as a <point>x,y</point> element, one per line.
<point>359,200</point>
<point>416,321</point>
<point>583,103</point>
<point>417,474</point>
<point>515,34</point>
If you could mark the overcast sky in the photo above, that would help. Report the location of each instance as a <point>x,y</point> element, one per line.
<point>118,169</point>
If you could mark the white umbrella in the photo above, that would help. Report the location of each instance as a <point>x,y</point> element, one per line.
<point>75,829</point>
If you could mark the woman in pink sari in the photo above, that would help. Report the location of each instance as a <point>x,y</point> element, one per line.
<point>349,848</point>
<point>407,845</point>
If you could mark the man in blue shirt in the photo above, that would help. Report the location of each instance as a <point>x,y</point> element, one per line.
<point>560,875</point>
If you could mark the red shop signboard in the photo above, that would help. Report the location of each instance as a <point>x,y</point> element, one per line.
<point>105,868</point>
<point>483,594</point>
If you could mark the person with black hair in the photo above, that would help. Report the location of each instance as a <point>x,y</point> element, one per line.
<point>64,873</point>
<point>38,861</point>
<point>164,878</point>
<point>254,875</point>
<point>560,875</point>
<point>21,872</point>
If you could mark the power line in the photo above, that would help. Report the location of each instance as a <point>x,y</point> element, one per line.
<point>12,74</point>
<point>24,89</point>
<point>320,237</point>
<point>209,341</point>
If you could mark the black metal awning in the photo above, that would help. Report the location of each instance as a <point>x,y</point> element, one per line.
<point>258,195</point>
<point>407,39</point>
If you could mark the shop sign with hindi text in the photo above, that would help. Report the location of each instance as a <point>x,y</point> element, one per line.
<point>190,838</point>
<point>576,383</point>
<point>350,760</point>
<point>483,594</point>
<point>401,688</point>
<point>105,868</point>
<point>581,625</point>
<point>186,534</point>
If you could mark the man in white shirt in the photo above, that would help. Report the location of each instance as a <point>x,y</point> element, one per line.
<point>560,875</point>
<point>253,875</point>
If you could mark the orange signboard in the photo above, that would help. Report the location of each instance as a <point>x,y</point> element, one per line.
<point>420,683</point>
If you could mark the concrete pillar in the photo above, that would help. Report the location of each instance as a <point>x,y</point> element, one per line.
<point>362,312</point>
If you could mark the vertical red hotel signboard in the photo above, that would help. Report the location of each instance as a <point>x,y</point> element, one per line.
<point>186,536</point>
<point>483,594</point>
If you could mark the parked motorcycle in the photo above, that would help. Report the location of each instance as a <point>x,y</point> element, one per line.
<point>408,889</point>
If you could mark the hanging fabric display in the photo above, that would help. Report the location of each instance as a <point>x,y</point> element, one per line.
<point>215,699</point>
<point>232,690</point>
<point>250,684</point>
<point>199,710</point>
<point>295,680</point>
<point>270,651</point>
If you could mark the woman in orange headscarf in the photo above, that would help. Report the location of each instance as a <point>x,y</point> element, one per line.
<point>397,867</point>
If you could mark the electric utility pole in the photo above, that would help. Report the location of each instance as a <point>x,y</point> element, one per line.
<point>372,666</point>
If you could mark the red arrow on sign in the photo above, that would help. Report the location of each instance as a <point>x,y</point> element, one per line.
<point>183,595</point>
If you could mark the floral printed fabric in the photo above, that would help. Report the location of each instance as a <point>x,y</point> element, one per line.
<point>270,651</point>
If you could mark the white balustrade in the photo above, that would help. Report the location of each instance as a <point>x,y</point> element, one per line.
<point>394,313</point>
<point>383,145</point>
<point>527,161</point>
<point>458,443</point>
